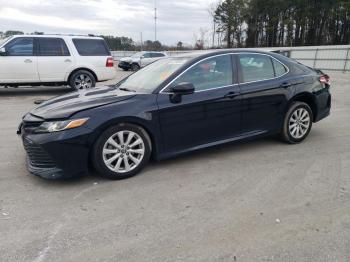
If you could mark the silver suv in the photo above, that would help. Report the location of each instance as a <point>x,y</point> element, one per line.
<point>79,61</point>
<point>140,59</point>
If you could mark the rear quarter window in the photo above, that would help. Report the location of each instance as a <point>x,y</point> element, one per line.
<point>279,68</point>
<point>91,47</point>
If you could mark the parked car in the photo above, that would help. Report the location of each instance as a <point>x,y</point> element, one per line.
<point>140,59</point>
<point>173,106</point>
<point>79,61</point>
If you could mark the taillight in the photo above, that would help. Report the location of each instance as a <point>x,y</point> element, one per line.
<point>325,79</point>
<point>110,62</point>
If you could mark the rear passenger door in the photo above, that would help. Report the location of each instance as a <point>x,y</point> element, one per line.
<point>264,90</point>
<point>54,59</point>
<point>157,56</point>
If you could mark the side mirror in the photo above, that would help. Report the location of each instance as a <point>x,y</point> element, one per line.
<point>184,88</point>
<point>2,51</point>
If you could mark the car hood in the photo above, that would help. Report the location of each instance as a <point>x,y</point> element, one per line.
<point>129,59</point>
<point>67,105</point>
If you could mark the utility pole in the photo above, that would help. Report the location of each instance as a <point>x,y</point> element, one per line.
<point>155,20</point>
<point>141,42</point>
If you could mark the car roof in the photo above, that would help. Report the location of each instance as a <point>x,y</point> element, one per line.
<point>203,53</point>
<point>60,36</point>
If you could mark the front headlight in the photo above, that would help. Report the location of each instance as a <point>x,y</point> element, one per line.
<point>55,126</point>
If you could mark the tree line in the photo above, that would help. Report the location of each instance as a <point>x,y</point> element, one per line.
<point>267,23</point>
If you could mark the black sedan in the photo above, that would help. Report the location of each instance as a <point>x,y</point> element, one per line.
<point>173,106</point>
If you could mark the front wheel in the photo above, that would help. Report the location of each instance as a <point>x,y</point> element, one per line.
<point>135,67</point>
<point>82,80</point>
<point>297,123</point>
<point>121,151</point>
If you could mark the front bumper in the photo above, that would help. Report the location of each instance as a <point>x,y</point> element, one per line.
<point>57,155</point>
<point>124,65</point>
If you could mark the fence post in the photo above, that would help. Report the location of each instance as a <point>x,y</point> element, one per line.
<point>346,60</point>
<point>315,59</point>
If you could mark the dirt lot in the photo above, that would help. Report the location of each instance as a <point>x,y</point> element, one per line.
<point>256,201</point>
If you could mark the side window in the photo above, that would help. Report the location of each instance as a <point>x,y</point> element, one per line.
<point>256,67</point>
<point>210,73</point>
<point>157,55</point>
<point>52,47</point>
<point>279,68</point>
<point>147,55</point>
<point>91,47</point>
<point>22,46</point>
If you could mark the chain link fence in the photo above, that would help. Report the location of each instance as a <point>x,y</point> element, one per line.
<point>329,58</point>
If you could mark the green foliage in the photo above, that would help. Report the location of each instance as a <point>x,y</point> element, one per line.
<point>12,32</point>
<point>254,23</point>
<point>119,43</point>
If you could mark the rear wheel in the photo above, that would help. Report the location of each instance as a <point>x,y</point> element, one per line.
<point>297,123</point>
<point>81,80</point>
<point>121,151</point>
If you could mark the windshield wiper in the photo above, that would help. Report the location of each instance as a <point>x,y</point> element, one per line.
<point>127,89</point>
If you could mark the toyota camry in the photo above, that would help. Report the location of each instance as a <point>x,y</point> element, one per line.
<point>173,106</point>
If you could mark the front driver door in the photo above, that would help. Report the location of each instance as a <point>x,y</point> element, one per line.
<point>18,64</point>
<point>207,116</point>
<point>146,59</point>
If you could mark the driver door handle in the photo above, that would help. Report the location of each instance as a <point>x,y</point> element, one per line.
<point>28,61</point>
<point>231,94</point>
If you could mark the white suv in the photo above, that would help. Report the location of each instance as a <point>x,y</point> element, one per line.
<point>140,59</point>
<point>79,61</point>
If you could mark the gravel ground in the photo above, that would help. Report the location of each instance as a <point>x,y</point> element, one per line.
<point>256,201</point>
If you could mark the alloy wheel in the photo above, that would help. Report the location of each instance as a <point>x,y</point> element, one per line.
<point>82,81</point>
<point>123,151</point>
<point>299,123</point>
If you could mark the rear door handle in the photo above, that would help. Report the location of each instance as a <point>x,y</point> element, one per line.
<point>285,85</point>
<point>28,61</point>
<point>231,94</point>
<point>67,60</point>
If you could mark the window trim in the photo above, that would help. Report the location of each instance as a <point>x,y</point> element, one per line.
<point>238,69</point>
<point>16,38</point>
<point>233,74</point>
<point>38,49</point>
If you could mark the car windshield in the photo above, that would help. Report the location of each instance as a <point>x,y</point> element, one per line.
<point>138,54</point>
<point>150,77</point>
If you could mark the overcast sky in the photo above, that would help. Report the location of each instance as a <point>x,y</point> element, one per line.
<point>178,20</point>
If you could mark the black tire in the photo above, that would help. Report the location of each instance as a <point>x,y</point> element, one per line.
<point>74,85</point>
<point>286,134</point>
<point>97,154</point>
<point>135,67</point>
<point>125,69</point>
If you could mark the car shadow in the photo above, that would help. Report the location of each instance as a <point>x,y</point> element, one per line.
<point>220,150</point>
<point>33,91</point>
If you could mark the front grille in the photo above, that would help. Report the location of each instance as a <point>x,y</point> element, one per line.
<point>29,127</point>
<point>122,63</point>
<point>37,155</point>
